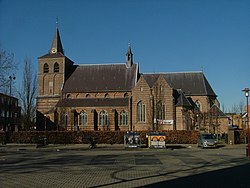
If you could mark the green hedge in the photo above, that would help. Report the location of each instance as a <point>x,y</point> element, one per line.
<point>102,137</point>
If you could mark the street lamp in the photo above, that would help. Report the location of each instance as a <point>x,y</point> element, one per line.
<point>246,90</point>
<point>11,78</point>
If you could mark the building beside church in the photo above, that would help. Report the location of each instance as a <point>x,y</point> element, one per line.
<point>10,113</point>
<point>117,96</point>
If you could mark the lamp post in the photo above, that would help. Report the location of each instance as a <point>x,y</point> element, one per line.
<point>9,124</point>
<point>246,90</point>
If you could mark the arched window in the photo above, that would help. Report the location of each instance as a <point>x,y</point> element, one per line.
<point>106,95</point>
<point>160,110</point>
<point>198,105</point>
<point>87,95</point>
<point>45,68</point>
<point>103,118</point>
<point>141,112</point>
<point>65,120</point>
<point>126,95</point>
<point>56,67</point>
<point>124,118</point>
<point>83,118</point>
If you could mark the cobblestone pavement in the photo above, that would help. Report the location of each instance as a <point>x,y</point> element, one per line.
<point>110,166</point>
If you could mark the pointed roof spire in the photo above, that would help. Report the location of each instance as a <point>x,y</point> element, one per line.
<point>129,49</point>
<point>129,57</point>
<point>56,43</point>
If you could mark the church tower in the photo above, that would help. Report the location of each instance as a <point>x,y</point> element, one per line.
<point>53,70</point>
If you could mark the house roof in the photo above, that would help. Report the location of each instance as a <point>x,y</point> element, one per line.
<point>90,102</point>
<point>102,77</point>
<point>191,83</point>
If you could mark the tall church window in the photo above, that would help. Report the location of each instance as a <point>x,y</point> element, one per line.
<point>56,67</point>
<point>124,118</point>
<point>65,120</point>
<point>198,105</point>
<point>83,118</point>
<point>45,68</point>
<point>161,110</point>
<point>103,118</point>
<point>141,112</point>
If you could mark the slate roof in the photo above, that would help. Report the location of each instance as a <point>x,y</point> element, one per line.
<point>216,112</point>
<point>102,77</point>
<point>191,83</point>
<point>97,102</point>
<point>151,78</point>
<point>57,44</point>
<point>181,99</point>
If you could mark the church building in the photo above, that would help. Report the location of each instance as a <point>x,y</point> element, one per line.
<point>116,96</point>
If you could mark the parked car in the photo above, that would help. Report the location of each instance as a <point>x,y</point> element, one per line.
<point>206,140</point>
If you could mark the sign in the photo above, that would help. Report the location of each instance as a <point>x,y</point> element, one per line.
<point>165,121</point>
<point>157,140</point>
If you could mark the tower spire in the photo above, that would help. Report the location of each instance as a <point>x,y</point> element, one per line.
<point>57,22</point>
<point>129,56</point>
<point>56,45</point>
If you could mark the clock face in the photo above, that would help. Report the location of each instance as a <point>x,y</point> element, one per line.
<point>53,50</point>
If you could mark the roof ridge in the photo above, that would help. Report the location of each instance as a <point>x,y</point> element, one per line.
<point>174,72</point>
<point>101,64</point>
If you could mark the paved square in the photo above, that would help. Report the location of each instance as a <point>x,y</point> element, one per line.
<point>78,166</point>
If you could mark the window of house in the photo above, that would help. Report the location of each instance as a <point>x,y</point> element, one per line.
<point>124,118</point>
<point>103,118</point>
<point>56,67</point>
<point>45,68</point>
<point>141,112</point>
<point>106,95</point>
<point>83,118</point>
<point>160,111</point>
<point>87,96</point>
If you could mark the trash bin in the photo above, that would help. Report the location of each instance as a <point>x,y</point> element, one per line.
<point>132,140</point>
<point>157,140</point>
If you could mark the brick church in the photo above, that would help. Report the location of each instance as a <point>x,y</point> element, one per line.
<point>116,96</point>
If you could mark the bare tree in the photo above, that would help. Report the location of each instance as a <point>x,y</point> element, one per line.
<point>27,95</point>
<point>241,107</point>
<point>7,65</point>
<point>238,108</point>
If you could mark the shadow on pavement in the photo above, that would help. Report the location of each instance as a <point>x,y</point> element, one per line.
<point>175,147</point>
<point>238,176</point>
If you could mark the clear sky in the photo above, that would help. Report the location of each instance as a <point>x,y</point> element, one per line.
<point>212,36</point>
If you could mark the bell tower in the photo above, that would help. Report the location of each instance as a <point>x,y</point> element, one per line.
<point>129,57</point>
<point>54,68</point>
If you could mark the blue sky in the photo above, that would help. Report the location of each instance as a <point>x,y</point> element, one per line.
<point>165,35</point>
